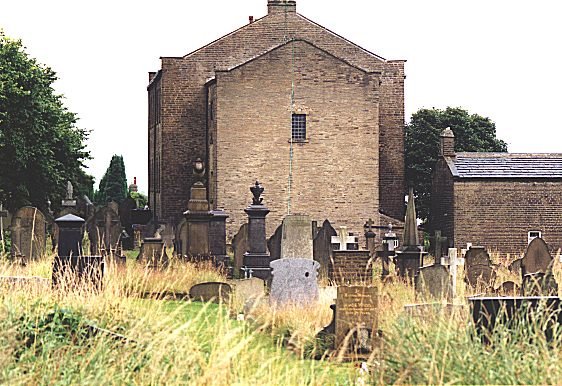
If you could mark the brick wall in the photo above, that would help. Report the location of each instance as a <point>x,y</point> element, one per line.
<point>499,214</point>
<point>442,214</point>
<point>334,174</point>
<point>184,101</point>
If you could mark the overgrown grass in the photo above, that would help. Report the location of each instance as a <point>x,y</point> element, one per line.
<point>55,337</point>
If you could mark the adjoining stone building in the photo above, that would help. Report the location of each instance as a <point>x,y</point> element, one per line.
<point>318,120</point>
<point>497,200</point>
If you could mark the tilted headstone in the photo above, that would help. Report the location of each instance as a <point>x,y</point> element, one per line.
<point>536,270</point>
<point>356,319</point>
<point>217,292</point>
<point>434,282</point>
<point>322,248</point>
<point>248,291</point>
<point>28,230</point>
<point>478,268</point>
<point>274,243</point>
<point>294,282</point>
<point>296,240</point>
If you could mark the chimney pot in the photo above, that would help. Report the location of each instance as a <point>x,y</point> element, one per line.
<point>251,19</point>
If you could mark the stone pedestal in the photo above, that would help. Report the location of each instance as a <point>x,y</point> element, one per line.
<point>257,258</point>
<point>409,261</point>
<point>69,263</point>
<point>153,252</point>
<point>198,218</point>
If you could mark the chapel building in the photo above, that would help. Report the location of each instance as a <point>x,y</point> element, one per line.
<point>316,119</point>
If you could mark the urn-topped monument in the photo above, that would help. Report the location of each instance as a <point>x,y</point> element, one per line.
<point>256,259</point>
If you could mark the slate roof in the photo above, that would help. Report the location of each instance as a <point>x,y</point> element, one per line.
<point>505,165</point>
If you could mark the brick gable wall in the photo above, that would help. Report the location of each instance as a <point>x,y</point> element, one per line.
<point>334,174</point>
<point>184,100</point>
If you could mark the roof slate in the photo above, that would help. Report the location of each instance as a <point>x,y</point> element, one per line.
<point>505,165</point>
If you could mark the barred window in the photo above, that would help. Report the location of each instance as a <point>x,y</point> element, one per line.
<point>298,126</point>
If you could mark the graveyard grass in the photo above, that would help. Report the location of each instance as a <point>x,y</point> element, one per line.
<point>48,338</point>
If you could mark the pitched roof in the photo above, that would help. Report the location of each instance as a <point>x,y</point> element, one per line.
<point>505,165</point>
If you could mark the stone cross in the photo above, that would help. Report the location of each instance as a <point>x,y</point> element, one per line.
<point>343,238</point>
<point>453,262</point>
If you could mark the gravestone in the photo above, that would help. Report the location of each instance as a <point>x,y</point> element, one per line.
<point>356,320</point>
<point>257,259</point>
<point>478,268</point>
<point>3,215</point>
<point>537,258</point>
<point>28,231</point>
<point>104,231</point>
<point>248,292</point>
<point>322,248</point>
<point>216,292</point>
<point>452,262</point>
<point>434,282</point>
<point>344,241</point>
<point>351,267</point>
<point>125,210</point>
<point>217,238</point>
<point>198,217</point>
<point>370,237</point>
<point>153,253</point>
<point>515,266</point>
<point>294,282</point>
<point>274,243</point>
<point>536,270</point>
<point>240,246</point>
<point>70,266</point>
<point>180,239</point>
<point>296,239</point>
<point>508,288</point>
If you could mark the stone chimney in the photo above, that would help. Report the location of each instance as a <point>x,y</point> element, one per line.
<point>281,6</point>
<point>447,143</point>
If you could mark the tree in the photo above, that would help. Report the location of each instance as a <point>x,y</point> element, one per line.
<point>113,185</point>
<point>472,133</point>
<point>40,146</point>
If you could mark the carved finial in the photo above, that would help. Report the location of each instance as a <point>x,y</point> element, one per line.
<point>69,190</point>
<point>257,191</point>
<point>199,170</point>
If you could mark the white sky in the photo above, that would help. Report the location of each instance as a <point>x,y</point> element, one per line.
<point>500,59</point>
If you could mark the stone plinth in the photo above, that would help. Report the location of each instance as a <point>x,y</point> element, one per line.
<point>153,252</point>
<point>217,237</point>
<point>409,261</point>
<point>198,218</point>
<point>257,258</point>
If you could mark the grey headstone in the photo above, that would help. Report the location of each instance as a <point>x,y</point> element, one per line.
<point>28,232</point>
<point>274,243</point>
<point>153,253</point>
<point>296,240</point>
<point>180,242</point>
<point>295,281</point>
<point>217,292</point>
<point>240,246</point>
<point>434,282</point>
<point>322,247</point>
<point>478,268</point>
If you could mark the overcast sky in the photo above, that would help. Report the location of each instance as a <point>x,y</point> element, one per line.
<point>500,59</point>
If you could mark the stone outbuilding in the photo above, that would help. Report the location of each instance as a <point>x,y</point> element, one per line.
<point>497,200</point>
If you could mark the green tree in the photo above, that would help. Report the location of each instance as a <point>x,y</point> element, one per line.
<point>113,185</point>
<point>472,133</point>
<point>40,146</point>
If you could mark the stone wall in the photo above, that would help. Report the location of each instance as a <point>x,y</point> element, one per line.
<point>499,214</point>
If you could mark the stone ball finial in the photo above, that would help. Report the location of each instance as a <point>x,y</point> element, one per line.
<point>257,191</point>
